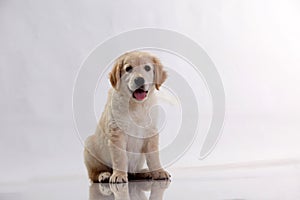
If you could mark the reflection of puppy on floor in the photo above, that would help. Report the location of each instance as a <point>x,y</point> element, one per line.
<point>128,191</point>
<point>126,136</point>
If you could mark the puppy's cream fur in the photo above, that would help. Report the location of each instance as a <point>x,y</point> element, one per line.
<point>126,135</point>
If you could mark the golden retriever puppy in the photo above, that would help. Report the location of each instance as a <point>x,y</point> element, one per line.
<point>126,135</point>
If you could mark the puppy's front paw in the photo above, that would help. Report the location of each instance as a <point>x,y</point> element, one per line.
<point>160,175</point>
<point>118,177</point>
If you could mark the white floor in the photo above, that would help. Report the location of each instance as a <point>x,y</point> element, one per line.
<point>224,182</point>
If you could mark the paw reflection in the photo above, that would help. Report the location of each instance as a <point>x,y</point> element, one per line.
<point>128,191</point>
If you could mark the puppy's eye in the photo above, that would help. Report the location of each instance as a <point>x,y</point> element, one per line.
<point>128,69</point>
<point>147,68</point>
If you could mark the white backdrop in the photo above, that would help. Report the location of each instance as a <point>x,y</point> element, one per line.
<point>255,46</point>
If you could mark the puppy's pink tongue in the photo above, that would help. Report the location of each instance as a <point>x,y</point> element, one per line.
<point>139,95</point>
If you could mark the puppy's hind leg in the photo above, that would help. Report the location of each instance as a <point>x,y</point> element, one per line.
<point>97,171</point>
<point>104,177</point>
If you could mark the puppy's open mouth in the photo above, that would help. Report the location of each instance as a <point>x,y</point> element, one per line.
<point>139,94</point>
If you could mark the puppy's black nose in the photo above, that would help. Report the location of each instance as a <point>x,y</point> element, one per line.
<point>139,81</point>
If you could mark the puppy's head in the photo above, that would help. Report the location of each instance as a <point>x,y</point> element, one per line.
<point>136,74</point>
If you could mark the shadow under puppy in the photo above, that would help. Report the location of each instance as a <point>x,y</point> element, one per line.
<point>126,135</point>
<point>128,191</point>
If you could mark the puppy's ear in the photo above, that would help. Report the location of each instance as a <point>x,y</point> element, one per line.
<point>159,74</point>
<point>115,74</point>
